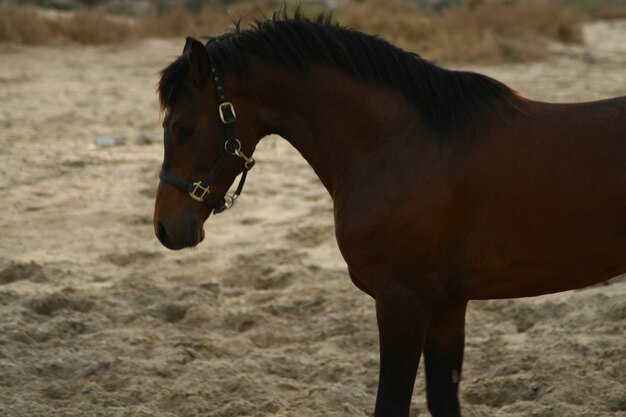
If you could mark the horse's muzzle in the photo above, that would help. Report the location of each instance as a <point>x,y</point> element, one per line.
<point>176,241</point>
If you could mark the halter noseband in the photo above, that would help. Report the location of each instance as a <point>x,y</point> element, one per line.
<point>199,190</point>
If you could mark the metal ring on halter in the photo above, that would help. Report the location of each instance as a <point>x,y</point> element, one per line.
<point>229,200</point>
<point>237,146</point>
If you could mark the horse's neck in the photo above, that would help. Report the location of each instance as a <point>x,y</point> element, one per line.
<point>334,120</point>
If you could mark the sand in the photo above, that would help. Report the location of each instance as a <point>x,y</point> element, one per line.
<point>98,319</point>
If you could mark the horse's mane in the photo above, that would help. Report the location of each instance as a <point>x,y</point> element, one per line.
<point>448,100</point>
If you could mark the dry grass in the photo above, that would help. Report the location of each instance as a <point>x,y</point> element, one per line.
<point>489,31</point>
<point>499,32</point>
<point>32,26</point>
<point>24,25</point>
<point>96,27</point>
<point>207,22</point>
<point>486,31</point>
<point>595,9</point>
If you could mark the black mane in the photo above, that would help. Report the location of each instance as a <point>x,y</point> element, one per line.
<point>448,100</point>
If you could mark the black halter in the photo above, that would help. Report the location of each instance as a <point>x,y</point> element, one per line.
<point>199,190</point>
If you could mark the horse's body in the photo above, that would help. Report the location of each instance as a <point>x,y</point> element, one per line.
<point>545,200</point>
<point>503,197</point>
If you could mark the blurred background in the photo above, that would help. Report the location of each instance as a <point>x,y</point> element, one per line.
<point>448,30</point>
<point>97,319</point>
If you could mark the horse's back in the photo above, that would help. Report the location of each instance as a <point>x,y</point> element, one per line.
<point>545,200</point>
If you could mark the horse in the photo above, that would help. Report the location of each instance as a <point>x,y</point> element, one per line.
<point>447,186</point>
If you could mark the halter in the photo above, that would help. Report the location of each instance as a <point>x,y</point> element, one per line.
<point>199,190</point>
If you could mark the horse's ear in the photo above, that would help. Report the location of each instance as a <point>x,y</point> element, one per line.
<point>198,58</point>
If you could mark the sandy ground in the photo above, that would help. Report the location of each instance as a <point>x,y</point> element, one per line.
<point>97,319</point>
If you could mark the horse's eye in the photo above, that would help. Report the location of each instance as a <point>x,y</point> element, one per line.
<point>185,131</point>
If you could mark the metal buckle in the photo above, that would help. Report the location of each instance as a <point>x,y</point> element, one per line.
<point>230,116</point>
<point>247,162</point>
<point>198,186</point>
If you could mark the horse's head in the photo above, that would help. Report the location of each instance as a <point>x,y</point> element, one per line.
<point>203,155</point>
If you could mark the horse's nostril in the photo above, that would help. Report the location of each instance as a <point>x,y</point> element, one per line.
<point>162,235</point>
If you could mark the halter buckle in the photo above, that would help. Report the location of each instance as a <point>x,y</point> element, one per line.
<point>227,112</point>
<point>249,163</point>
<point>198,186</point>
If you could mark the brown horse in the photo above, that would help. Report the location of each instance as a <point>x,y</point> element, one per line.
<point>447,186</point>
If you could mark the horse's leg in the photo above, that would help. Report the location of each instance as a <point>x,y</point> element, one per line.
<point>402,322</point>
<point>443,357</point>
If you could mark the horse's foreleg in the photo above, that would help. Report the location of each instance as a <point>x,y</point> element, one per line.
<point>443,357</point>
<point>402,322</point>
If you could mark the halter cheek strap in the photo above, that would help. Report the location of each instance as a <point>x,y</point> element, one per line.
<point>199,190</point>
